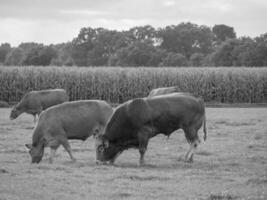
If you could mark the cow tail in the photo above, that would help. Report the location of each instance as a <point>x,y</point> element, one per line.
<point>204,128</point>
<point>204,120</point>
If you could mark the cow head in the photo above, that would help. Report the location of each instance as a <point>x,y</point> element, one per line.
<point>36,151</point>
<point>15,112</point>
<point>105,151</point>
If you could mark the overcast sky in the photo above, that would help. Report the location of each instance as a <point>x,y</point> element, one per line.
<point>55,21</point>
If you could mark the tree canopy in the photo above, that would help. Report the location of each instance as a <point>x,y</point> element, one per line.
<point>185,44</point>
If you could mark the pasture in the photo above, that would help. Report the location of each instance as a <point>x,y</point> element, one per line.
<point>231,164</point>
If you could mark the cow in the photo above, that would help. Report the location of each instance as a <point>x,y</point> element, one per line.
<point>133,123</point>
<point>70,120</point>
<point>162,91</point>
<point>35,102</point>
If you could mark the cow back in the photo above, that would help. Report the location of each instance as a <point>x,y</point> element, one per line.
<point>48,98</point>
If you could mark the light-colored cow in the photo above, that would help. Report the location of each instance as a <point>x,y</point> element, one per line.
<point>70,120</point>
<point>162,91</point>
<point>35,102</point>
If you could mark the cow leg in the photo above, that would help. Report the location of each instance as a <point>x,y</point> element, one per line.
<point>66,145</point>
<point>53,144</point>
<point>190,153</point>
<point>52,155</point>
<point>192,138</point>
<point>34,118</point>
<point>142,151</point>
<point>143,137</point>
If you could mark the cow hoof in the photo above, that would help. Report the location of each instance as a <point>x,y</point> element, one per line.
<point>100,162</point>
<point>142,164</point>
<point>190,160</point>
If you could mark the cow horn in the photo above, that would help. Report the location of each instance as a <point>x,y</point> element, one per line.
<point>28,146</point>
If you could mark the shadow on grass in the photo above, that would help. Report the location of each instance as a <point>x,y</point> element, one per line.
<point>228,123</point>
<point>204,153</point>
<point>143,178</point>
<point>222,197</point>
<point>178,165</point>
<point>16,151</point>
<point>257,181</point>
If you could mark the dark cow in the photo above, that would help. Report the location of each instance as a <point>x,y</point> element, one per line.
<point>162,91</point>
<point>35,102</point>
<point>70,120</point>
<point>136,121</point>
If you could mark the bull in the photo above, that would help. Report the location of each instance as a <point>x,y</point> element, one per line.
<point>136,121</point>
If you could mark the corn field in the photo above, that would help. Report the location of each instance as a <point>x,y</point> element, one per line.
<point>116,85</point>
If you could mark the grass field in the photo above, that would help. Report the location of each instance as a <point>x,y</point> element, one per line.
<point>231,164</point>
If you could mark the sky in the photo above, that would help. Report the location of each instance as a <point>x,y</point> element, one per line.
<point>57,21</point>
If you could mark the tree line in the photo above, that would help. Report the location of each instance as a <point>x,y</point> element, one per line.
<point>185,44</point>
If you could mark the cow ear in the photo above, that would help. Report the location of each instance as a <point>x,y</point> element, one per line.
<point>106,143</point>
<point>28,146</point>
<point>44,141</point>
<point>96,136</point>
<point>96,133</point>
<point>101,148</point>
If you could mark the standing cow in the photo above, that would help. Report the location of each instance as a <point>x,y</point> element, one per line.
<point>70,120</point>
<point>136,121</point>
<point>35,102</point>
<point>162,91</point>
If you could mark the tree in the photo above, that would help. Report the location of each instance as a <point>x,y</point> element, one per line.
<point>5,48</point>
<point>174,59</point>
<point>105,45</point>
<point>196,59</point>
<point>39,55</point>
<point>93,47</point>
<point>244,52</point>
<point>46,55</point>
<point>223,32</point>
<point>146,34</point>
<point>261,50</point>
<point>82,45</point>
<point>63,52</point>
<point>138,54</point>
<point>186,39</point>
<point>15,57</point>
<point>223,54</point>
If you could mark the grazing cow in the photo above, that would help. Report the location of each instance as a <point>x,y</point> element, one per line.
<point>162,91</point>
<point>70,120</point>
<point>136,121</point>
<point>35,102</point>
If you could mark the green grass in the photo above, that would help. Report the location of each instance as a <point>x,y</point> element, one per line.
<point>224,166</point>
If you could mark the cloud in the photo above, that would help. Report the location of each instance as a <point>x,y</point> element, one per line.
<point>169,3</point>
<point>58,21</point>
<point>83,12</point>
